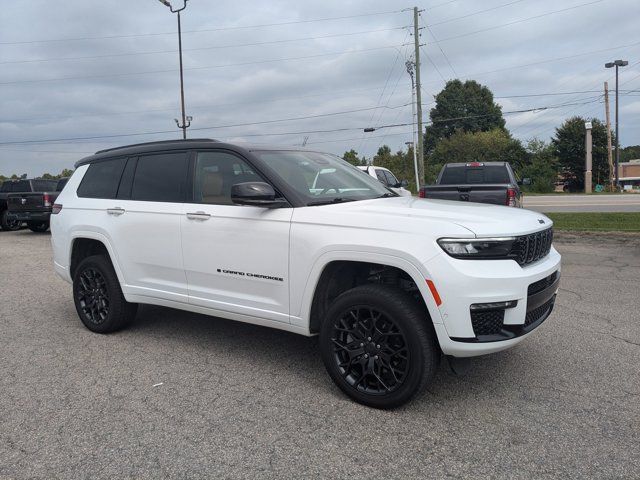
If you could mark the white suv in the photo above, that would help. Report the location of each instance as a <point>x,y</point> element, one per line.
<point>387,178</point>
<point>304,242</point>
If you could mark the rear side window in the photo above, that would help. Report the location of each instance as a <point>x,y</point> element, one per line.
<point>160,178</point>
<point>391,179</point>
<point>102,179</point>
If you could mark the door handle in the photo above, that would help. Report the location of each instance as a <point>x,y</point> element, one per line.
<point>198,216</point>
<point>115,211</point>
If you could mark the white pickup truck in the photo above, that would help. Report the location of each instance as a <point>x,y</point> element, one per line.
<point>304,242</point>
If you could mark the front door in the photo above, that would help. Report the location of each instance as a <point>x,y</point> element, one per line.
<point>236,258</point>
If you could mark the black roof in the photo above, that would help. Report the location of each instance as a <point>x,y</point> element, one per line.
<point>164,145</point>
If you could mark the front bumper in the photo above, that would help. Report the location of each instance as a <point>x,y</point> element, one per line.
<point>462,283</point>
<point>29,216</point>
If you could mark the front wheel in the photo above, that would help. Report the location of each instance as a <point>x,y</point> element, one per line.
<point>38,227</point>
<point>378,346</point>
<point>98,297</point>
<point>8,223</point>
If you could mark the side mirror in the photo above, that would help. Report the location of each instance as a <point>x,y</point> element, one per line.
<point>403,183</point>
<point>258,194</point>
<point>526,181</point>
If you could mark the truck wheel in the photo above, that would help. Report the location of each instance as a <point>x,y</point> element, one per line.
<point>8,224</point>
<point>378,345</point>
<point>38,227</point>
<point>98,297</point>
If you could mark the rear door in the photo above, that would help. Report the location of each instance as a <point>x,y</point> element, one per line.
<point>236,258</point>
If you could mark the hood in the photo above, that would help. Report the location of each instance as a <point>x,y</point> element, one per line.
<point>477,218</point>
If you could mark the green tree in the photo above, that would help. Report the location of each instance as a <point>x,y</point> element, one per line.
<point>462,107</point>
<point>65,173</point>
<point>630,153</point>
<point>352,157</point>
<point>569,148</point>
<point>541,168</point>
<point>493,146</point>
<point>400,163</point>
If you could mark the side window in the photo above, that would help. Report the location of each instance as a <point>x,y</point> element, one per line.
<point>216,173</point>
<point>160,177</point>
<point>381,177</point>
<point>101,179</point>
<point>22,186</point>
<point>391,179</point>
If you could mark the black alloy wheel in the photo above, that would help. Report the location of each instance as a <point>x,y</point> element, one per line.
<point>370,350</point>
<point>9,224</point>
<point>98,296</point>
<point>93,296</point>
<point>38,227</point>
<point>378,345</point>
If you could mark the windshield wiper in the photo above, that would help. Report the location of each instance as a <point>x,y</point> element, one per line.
<point>388,194</point>
<point>330,201</point>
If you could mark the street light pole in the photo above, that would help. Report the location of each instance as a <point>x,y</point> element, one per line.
<point>617,64</point>
<point>186,120</point>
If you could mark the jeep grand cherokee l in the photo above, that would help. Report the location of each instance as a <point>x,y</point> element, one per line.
<point>388,283</point>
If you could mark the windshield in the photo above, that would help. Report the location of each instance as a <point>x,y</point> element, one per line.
<point>321,178</point>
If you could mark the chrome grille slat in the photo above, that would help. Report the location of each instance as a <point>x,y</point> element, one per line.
<point>530,248</point>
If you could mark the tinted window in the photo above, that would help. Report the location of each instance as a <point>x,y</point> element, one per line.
<point>61,183</point>
<point>21,186</point>
<point>216,173</point>
<point>391,179</point>
<point>6,186</point>
<point>381,177</point>
<point>102,178</point>
<point>44,185</point>
<point>160,178</point>
<point>474,175</point>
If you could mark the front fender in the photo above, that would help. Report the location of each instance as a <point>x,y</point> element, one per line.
<point>302,295</point>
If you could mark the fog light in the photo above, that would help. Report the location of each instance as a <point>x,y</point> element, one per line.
<point>493,305</point>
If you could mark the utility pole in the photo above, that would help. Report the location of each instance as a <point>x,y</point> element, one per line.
<point>617,64</point>
<point>416,40</point>
<point>587,161</point>
<point>609,149</point>
<point>410,66</point>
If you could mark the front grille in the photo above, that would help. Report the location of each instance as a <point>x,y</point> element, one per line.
<point>488,322</point>
<point>530,248</point>
<point>540,285</point>
<point>537,313</point>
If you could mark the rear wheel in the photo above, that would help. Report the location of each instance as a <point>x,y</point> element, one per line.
<point>378,346</point>
<point>38,227</point>
<point>7,223</point>
<point>98,297</point>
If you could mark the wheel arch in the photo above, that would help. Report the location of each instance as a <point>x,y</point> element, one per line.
<point>85,244</point>
<point>336,272</point>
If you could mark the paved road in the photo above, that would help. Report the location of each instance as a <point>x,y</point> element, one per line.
<point>583,203</point>
<point>236,400</point>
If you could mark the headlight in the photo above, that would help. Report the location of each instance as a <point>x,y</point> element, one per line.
<point>478,248</point>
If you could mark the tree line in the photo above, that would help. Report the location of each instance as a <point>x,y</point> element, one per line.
<point>467,125</point>
<point>46,176</point>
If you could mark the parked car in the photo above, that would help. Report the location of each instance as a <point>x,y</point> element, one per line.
<point>481,182</point>
<point>35,208</point>
<point>388,179</point>
<point>10,187</point>
<point>388,283</point>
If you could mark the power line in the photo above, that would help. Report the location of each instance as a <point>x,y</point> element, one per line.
<point>214,47</point>
<point>149,72</point>
<point>514,22</point>
<point>475,13</point>
<point>379,127</point>
<point>216,29</point>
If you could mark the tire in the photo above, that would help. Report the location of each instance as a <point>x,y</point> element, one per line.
<point>98,297</point>
<point>38,227</point>
<point>367,363</point>
<point>8,225</point>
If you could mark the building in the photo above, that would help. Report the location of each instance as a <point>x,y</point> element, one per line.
<point>629,174</point>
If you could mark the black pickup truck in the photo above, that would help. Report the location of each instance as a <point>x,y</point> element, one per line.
<point>487,182</point>
<point>34,206</point>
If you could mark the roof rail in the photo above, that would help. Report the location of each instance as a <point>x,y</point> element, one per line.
<point>159,142</point>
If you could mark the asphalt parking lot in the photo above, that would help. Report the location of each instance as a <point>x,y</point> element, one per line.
<point>186,396</point>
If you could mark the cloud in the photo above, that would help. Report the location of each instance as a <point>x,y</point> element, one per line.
<point>116,92</point>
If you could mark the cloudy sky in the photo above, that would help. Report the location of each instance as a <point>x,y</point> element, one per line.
<point>77,69</point>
